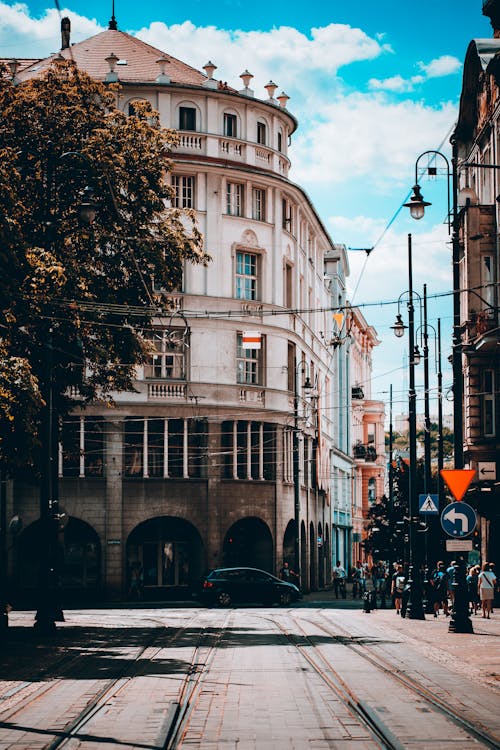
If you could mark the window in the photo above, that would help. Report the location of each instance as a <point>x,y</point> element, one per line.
<point>246,275</point>
<point>249,450</point>
<point>230,124</point>
<point>371,491</point>
<point>488,403</point>
<point>168,360</point>
<point>261,133</point>
<point>287,215</point>
<point>259,204</point>
<point>234,199</point>
<point>187,118</point>
<point>288,286</point>
<point>165,448</point>
<point>183,186</point>
<point>82,447</point>
<point>248,364</point>
<point>291,367</point>
<point>280,141</point>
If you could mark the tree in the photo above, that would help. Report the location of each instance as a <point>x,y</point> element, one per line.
<point>75,300</point>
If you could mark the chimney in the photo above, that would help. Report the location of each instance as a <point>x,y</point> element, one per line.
<point>65,32</point>
<point>491,9</point>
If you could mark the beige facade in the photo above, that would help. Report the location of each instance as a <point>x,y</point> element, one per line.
<point>478,175</point>
<point>195,468</point>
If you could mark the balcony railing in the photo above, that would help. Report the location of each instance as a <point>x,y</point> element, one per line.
<point>365,452</point>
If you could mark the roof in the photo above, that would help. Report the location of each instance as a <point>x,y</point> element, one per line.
<point>139,60</point>
<point>482,56</point>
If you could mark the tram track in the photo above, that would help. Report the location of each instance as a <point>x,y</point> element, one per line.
<point>360,707</point>
<point>100,699</point>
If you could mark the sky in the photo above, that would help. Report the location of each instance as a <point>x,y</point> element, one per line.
<point>373,86</point>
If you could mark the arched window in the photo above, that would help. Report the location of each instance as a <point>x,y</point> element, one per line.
<point>230,125</point>
<point>371,491</point>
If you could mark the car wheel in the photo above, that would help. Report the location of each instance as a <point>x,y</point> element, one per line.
<point>224,599</point>
<point>285,598</point>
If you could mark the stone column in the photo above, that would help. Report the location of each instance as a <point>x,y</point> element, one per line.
<point>114,545</point>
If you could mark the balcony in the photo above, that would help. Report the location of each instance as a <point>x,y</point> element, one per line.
<point>357,392</point>
<point>364,452</point>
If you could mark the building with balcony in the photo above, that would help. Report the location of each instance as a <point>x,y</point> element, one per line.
<point>477,139</point>
<point>367,420</point>
<point>195,468</point>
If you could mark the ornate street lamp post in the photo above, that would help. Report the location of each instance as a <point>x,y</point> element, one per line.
<point>306,386</point>
<point>414,608</point>
<point>49,610</point>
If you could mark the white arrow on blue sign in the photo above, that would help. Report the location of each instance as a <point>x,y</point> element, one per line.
<point>458,519</point>
<point>428,504</point>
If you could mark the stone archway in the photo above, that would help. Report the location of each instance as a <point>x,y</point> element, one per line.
<point>249,542</point>
<point>321,558</point>
<point>78,563</point>
<point>170,552</point>
<point>304,578</point>
<point>289,545</point>
<point>312,558</point>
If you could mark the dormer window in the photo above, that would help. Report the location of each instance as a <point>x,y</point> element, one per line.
<point>261,133</point>
<point>187,118</point>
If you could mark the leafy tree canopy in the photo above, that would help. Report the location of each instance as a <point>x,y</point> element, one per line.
<point>64,286</point>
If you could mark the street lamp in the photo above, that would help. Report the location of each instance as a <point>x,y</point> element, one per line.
<point>414,608</point>
<point>49,610</point>
<point>460,621</point>
<point>306,386</point>
<point>417,207</point>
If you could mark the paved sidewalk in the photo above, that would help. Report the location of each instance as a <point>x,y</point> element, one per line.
<point>476,654</point>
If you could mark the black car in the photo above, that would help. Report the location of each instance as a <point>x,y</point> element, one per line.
<point>225,586</point>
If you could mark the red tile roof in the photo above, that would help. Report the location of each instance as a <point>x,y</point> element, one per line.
<point>141,66</point>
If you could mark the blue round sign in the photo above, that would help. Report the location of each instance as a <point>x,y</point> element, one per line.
<point>458,520</point>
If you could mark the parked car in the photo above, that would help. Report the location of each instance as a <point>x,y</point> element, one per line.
<point>225,586</point>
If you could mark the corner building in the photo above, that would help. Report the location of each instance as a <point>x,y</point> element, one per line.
<point>195,469</point>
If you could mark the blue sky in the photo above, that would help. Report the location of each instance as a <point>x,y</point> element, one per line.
<point>373,85</point>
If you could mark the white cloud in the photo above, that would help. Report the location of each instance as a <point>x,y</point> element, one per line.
<point>367,136</point>
<point>22,35</point>
<point>441,66</point>
<point>283,54</point>
<point>395,83</point>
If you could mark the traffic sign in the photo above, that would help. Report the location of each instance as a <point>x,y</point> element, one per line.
<point>428,504</point>
<point>458,519</point>
<point>458,480</point>
<point>486,470</point>
<point>459,545</point>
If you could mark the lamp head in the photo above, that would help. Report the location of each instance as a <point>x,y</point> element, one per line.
<point>417,204</point>
<point>416,355</point>
<point>399,327</point>
<point>87,208</point>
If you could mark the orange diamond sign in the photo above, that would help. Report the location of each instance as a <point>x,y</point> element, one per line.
<point>458,480</point>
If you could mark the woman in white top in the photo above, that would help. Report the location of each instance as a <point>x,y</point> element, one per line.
<point>486,584</point>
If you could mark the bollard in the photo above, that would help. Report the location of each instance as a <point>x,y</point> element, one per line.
<point>366,602</point>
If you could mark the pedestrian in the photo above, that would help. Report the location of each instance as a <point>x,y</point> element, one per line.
<point>473,589</point>
<point>339,576</point>
<point>378,577</point>
<point>486,583</point>
<point>397,587</point>
<point>285,572</point>
<point>135,583</point>
<point>450,572</point>
<point>439,583</point>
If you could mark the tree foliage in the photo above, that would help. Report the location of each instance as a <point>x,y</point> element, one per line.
<point>84,293</point>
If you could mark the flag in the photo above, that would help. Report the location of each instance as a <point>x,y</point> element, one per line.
<point>251,340</point>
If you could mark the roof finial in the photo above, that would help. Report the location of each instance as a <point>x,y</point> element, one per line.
<point>112,24</point>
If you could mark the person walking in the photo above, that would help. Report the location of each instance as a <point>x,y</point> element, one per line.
<point>473,589</point>
<point>339,577</point>
<point>397,587</point>
<point>439,582</point>
<point>486,583</point>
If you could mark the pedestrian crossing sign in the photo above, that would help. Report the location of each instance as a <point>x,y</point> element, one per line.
<point>428,504</point>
